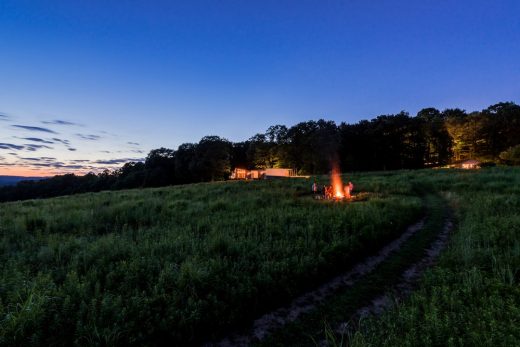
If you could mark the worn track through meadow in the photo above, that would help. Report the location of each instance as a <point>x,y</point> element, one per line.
<point>407,283</point>
<point>272,321</point>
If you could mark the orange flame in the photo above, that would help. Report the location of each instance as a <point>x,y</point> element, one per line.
<point>337,183</point>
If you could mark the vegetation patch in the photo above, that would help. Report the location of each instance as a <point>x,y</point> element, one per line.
<point>188,264</point>
<point>177,264</point>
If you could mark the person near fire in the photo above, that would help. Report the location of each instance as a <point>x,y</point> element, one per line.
<point>315,189</point>
<point>348,190</point>
<point>329,192</point>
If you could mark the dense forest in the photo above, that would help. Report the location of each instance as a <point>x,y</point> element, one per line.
<point>432,138</point>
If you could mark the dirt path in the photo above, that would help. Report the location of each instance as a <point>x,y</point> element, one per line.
<point>409,279</point>
<point>265,325</point>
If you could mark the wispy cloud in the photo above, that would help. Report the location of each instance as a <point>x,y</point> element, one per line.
<point>32,128</point>
<point>32,147</point>
<point>89,137</point>
<point>50,162</point>
<point>117,161</point>
<point>36,139</point>
<point>39,159</point>
<point>24,152</point>
<point>65,142</point>
<point>59,165</point>
<point>60,122</point>
<point>11,146</point>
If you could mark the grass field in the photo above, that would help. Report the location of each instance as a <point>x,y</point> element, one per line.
<point>473,296</point>
<point>178,264</point>
<point>186,264</point>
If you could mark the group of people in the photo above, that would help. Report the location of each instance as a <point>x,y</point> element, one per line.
<point>327,192</point>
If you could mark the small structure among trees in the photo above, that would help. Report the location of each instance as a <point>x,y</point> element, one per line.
<point>279,172</point>
<point>471,164</point>
<point>465,164</point>
<point>245,174</point>
<point>255,174</point>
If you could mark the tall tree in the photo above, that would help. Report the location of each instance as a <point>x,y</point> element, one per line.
<point>160,166</point>
<point>185,158</point>
<point>213,159</point>
<point>437,139</point>
<point>461,134</point>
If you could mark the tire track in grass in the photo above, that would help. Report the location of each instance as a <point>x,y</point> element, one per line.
<point>270,322</point>
<point>404,288</point>
<point>408,278</point>
<point>372,293</point>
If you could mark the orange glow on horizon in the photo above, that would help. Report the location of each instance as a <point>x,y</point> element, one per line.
<point>27,172</point>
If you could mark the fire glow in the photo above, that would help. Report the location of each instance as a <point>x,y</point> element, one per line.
<point>336,191</point>
<point>337,184</point>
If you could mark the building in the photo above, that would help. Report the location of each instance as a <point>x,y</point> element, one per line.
<point>470,164</point>
<point>256,174</point>
<point>245,174</point>
<point>239,174</point>
<point>465,164</point>
<point>279,172</point>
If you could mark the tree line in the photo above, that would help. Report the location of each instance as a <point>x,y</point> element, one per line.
<point>431,138</point>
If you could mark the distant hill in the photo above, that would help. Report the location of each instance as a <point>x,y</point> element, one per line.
<point>12,180</point>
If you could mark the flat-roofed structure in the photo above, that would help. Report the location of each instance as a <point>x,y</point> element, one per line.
<point>256,174</point>
<point>279,172</point>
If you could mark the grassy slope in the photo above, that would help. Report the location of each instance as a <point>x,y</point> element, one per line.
<point>177,264</point>
<point>473,296</point>
<point>137,263</point>
<point>313,327</point>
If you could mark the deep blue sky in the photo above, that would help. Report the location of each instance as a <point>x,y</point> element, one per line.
<point>160,73</point>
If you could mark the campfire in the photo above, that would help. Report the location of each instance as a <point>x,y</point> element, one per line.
<point>336,191</point>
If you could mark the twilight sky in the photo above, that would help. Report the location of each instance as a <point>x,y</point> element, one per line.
<point>89,84</point>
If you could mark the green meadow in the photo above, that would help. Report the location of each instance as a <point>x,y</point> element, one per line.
<point>184,265</point>
<point>472,296</point>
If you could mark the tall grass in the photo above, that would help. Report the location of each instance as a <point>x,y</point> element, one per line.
<point>472,297</point>
<point>180,264</point>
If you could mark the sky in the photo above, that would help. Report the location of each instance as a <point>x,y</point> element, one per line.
<point>87,85</point>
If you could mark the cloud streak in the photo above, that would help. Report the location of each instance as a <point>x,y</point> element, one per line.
<point>39,159</point>
<point>53,166</point>
<point>60,122</point>
<point>63,153</point>
<point>11,146</point>
<point>32,128</point>
<point>32,147</point>
<point>65,142</point>
<point>36,139</point>
<point>118,161</point>
<point>89,137</point>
